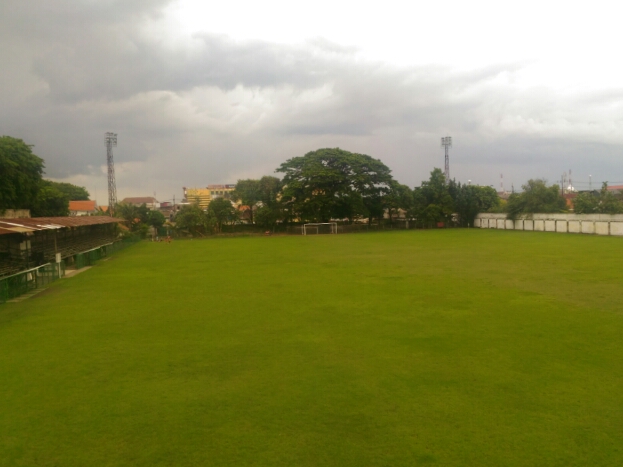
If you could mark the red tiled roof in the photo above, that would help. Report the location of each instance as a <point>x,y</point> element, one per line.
<point>82,206</point>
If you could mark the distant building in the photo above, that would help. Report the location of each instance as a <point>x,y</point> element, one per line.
<point>569,197</point>
<point>149,201</point>
<point>82,208</point>
<point>216,191</point>
<point>197,195</point>
<point>204,195</point>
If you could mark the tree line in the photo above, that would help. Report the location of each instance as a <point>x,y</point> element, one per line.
<point>331,183</point>
<point>323,185</point>
<point>538,197</point>
<point>23,186</point>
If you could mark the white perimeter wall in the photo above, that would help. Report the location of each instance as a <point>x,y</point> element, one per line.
<point>600,224</point>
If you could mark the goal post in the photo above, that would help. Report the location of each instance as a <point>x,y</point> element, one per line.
<point>316,228</point>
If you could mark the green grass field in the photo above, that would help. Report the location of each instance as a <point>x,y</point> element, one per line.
<point>449,348</point>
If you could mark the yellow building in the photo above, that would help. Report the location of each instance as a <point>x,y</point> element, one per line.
<point>216,191</point>
<point>205,195</point>
<point>201,195</point>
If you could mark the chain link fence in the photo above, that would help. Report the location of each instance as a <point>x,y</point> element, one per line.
<point>30,280</point>
<point>36,278</point>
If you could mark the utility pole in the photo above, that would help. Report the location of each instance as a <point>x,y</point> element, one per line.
<point>111,141</point>
<point>446,142</point>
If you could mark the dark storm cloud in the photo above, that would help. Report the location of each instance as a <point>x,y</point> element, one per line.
<point>228,108</point>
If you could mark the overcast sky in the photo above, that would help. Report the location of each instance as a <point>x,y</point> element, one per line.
<point>211,92</point>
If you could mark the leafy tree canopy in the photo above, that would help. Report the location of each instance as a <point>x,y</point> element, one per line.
<point>333,183</point>
<point>270,190</point>
<point>136,216</point>
<point>604,202</point>
<point>22,185</point>
<point>155,219</point>
<point>432,202</point>
<point>270,210</point>
<point>469,200</point>
<point>400,197</point>
<point>536,197</point>
<point>50,202</point>
<point>21,174</point>
<point>192,219</point>
<point>73,192</point>
<point>221,211</point>
<point>247,192</point>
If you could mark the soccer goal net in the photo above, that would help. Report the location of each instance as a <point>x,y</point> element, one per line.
<point>320,228</point>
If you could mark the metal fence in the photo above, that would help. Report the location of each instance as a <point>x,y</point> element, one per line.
<point>29,280</point>
<point>355,228</point>
<point>32,279</point>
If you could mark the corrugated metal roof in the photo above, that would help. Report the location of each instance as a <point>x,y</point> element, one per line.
<point>32,224</point>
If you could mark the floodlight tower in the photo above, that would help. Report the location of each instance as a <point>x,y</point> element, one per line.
<point>446,142</point>
<point>111,141</point>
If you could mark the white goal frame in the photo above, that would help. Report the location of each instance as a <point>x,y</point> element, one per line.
<point>316,224</point>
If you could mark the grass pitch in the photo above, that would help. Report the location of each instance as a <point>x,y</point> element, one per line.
<point>458,347</point>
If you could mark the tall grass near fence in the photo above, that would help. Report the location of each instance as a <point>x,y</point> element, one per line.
<point>446,347</point>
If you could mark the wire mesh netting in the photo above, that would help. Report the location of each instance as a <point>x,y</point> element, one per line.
<point>32,279</point>
<point>35,278</point>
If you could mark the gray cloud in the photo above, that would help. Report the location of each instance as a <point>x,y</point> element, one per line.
<point>209,108</point>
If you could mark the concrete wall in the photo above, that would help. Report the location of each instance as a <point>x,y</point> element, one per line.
<point>599,224</point>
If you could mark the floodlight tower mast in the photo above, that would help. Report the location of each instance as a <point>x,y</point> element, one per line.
<point>446,142</point>
<point>111,141</point>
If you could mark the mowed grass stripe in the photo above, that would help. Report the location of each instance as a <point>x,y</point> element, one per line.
<point>460,347</point>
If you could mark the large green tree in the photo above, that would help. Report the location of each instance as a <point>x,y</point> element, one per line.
<point>247,192</point>
<point>432,202</point>
<point>270,210</point>
<point>136,216</point>
<point>50,202</point>
<point>270,190</point>
<point>73,192</point>
<point>536,197</point>
<point>470,200</point>
<point>604,202</point>
<point>332,183</point>
<point>53,198</point>
<point>221,211</point>
<point>400,198</point>
<point>20,174</point>
<point>155,219</point>
<point>192,219</point>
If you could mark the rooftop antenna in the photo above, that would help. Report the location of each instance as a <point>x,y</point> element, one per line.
<point>502,183</point>
<point>111,142</point>
<point>446,142</point>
